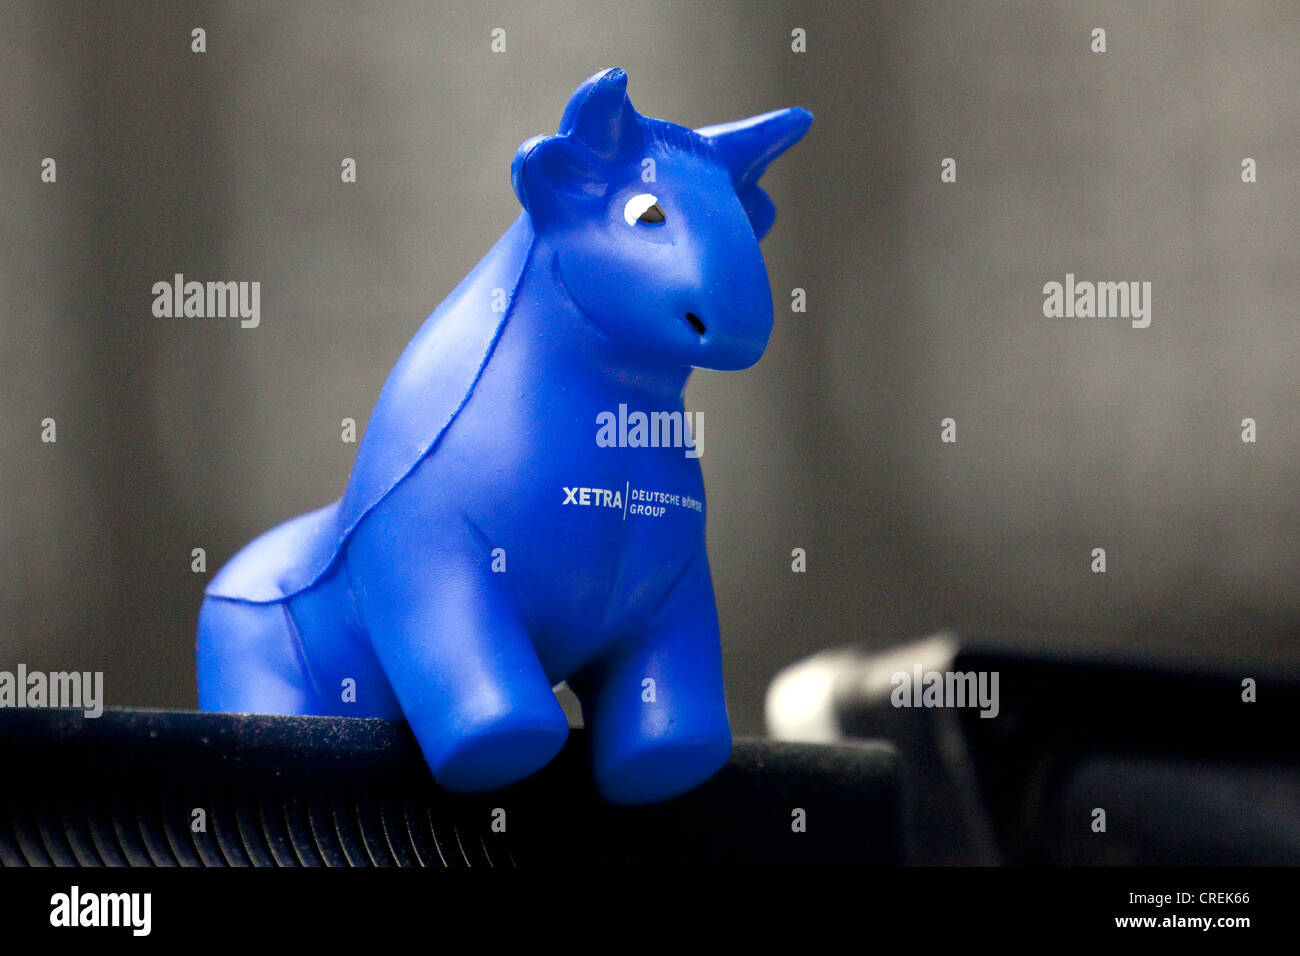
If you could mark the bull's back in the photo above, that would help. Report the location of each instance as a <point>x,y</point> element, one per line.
<point>268,646</point>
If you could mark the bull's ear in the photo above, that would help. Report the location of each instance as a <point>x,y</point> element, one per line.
<point>598,127</point>
<point>552,173</point>
<point>747,146</point>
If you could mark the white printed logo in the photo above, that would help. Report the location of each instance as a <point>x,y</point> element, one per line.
<point>636,501</point>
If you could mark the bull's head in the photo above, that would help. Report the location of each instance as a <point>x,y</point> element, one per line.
<point>653,228</point>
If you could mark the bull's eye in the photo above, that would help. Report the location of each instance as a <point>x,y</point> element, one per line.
<point>643,208</point>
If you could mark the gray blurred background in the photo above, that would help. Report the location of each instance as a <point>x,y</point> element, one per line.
<point>924,302</point>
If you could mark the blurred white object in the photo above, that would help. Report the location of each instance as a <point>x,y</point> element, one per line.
<point>803,699</point>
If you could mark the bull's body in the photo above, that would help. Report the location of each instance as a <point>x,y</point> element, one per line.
<point>466,570</point>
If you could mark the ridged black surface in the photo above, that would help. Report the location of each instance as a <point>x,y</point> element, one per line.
<point>119,790</point>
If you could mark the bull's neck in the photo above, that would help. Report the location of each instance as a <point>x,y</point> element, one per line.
<point>563,344</point>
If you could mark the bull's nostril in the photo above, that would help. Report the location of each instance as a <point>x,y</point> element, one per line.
<point>695,322</point>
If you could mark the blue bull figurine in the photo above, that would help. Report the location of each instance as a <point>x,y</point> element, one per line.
<point>526,506</point>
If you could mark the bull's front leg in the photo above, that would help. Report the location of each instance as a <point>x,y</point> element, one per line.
<point>454,648</point>
<point>654,706</point>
